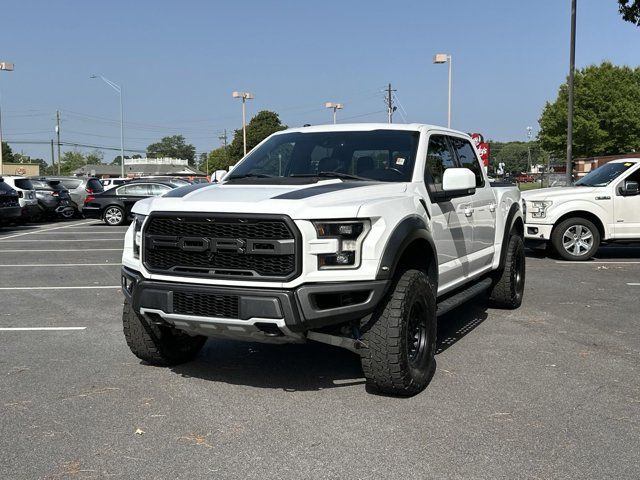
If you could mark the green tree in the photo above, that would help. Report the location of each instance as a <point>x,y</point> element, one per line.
<point>218,160</point>
<point>7,153</point>
<point>72,160</point>
<point>630,11</point>
<point>260,127</point>
<point>172,147</point>
<point>606,113</point>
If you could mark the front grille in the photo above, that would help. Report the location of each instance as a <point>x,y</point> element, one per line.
<point>230,246</point>
<point>205,305</point>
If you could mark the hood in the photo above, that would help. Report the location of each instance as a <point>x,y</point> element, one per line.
<point>326,199</point>
<point>558,192</point>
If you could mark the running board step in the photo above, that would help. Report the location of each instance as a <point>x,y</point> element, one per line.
<point>462,296</point>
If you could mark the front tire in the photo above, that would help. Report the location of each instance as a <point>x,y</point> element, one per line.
<point>114,216</point>
<point>156,344</point>
<point>400,340</point>
<point>508,287</point>
<point>576,239</point>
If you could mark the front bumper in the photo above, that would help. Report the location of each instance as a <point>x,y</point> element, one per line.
<point>286,312</point>
<point>537,231</point>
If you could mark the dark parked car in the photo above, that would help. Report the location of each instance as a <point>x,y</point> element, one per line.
<point>53,198</point>
<point>79,188</point>
<point>113,206</point>
<point>10,210</point>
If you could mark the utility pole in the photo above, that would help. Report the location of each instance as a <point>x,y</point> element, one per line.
<point>572,67</point>
<point>389,100</point>
<point>53,157</point>
<point>58,134</point>
<point>224,138</point>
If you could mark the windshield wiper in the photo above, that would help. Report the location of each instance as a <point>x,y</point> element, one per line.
<point>250,175</point>
<point>346,176</point>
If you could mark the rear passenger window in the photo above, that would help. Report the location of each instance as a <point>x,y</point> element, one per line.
<point>71,184</point>
<point>467,158</point>
<point>94,185</point>
<point>439,158</point>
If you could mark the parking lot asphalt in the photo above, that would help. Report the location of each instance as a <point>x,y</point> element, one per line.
<point>551,390</point>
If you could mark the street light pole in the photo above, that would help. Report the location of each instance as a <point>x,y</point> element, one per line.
<point>244,96</point>
<point>572,67</point>
<point>9,68</point>
<point>446,58</point>
<point>118,89</point>
<point>335,107</point>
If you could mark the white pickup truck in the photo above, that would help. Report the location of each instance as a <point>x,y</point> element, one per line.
<point>603,206</point>
<point>357,236</point>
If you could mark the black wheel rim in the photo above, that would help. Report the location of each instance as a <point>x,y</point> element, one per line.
<point>417,340</point>
<point>517,274</point>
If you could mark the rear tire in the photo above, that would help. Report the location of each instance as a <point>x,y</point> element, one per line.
<point>508,287</point>
<point>576,239</point>
<point>158,345</point>
<point>400,340</point>
<point>113,216</point>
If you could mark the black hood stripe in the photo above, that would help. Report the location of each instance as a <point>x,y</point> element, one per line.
<point>182,191</point>
<point>321,189</point>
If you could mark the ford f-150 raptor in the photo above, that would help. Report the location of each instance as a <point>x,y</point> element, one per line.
<point>356,235</point>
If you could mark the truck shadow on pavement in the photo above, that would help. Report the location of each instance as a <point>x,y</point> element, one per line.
<point>309,367</point>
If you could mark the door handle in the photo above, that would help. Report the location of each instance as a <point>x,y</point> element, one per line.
<point>492,207</point>
<point>468,211</point>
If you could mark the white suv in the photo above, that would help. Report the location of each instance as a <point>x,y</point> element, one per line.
<point>26,196</point>
<point>357,236</point>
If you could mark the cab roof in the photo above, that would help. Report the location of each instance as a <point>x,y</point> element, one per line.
<point>364,127</point>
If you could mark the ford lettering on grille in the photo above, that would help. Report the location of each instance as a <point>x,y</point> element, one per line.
<point>221,246</point>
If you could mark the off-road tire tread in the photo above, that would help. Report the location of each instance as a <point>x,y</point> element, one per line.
<point>382,359</point>
<point>502,293</point>
<point>157,345</point>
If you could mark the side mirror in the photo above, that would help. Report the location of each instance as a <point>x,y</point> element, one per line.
<point>457,182</point>
<point>629,189</point>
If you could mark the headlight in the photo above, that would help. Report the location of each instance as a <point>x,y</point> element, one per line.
<point>539,208</point>
<point>350,234</point>
<point>138,220</point>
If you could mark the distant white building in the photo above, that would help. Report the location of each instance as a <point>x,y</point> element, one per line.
<point>156,161</point>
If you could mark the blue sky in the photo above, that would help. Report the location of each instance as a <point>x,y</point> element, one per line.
<point>178,63</point>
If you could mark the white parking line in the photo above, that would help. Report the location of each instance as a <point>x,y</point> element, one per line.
<point>597,261</point>
<point>2,240</point>
<point>62,265</point>
<point>634,284</point>
<point>22,250</point>
<point>38,329</point>
<point>93,287</point>
<point>43,230</point>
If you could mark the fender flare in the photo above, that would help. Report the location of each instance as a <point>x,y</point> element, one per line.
<point>408,230</point>
<point>512,217</point>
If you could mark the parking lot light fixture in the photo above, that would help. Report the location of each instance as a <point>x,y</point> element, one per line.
<point>445,58</point>
<point>118,89</point>
<point>335,107</point>
<point>244,96</point>
<point>8,67</point>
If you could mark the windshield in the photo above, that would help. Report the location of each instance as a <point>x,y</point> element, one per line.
<point>604,175</point>
<point>380,155</point>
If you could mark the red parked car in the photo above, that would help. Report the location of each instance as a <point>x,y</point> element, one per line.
<point>524,178</point>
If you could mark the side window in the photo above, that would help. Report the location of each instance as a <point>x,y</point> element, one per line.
<point>634,177</point>
<point>439,158</point>
<point>156,189</point>
<point>139,189</point>
<point>467,158</point>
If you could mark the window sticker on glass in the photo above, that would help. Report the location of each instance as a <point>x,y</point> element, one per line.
<point>628,164</point>
<point>400,161</point>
